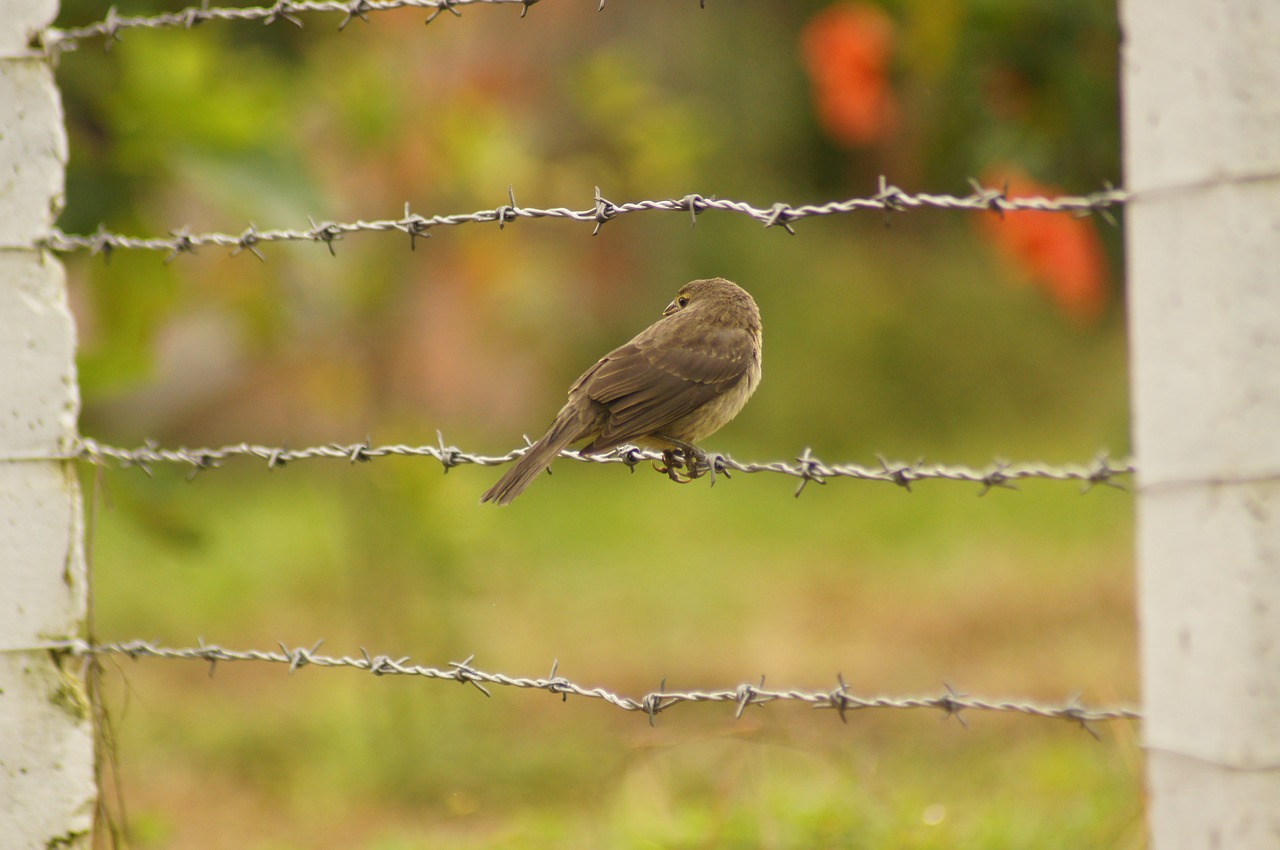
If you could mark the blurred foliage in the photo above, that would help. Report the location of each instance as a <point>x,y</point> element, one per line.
<point>908,335</point>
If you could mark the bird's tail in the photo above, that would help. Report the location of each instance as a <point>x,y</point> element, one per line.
<point>535,461</point>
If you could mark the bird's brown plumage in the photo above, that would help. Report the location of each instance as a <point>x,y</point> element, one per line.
<point>678,381</point>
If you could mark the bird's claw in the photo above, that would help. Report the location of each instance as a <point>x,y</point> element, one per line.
<point>671,467</point>
<point>684,465</point>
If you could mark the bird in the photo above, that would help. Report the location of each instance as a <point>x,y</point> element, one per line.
<point>676,382</point>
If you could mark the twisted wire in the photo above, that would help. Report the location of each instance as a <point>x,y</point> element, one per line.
<point>61,40</point>
<point>745,695</point>
<point>888,200</point>
<point>806,467</point>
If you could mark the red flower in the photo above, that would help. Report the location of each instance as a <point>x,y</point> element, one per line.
<point>1061,254</point>
<point>846,49</point>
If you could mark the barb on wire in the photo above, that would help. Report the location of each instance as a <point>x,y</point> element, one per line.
<point>1102,470</point>
<point>889,199</point>
<point>56,41</point>
<point>950,701</point>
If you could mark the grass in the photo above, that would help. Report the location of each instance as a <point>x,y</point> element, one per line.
<point>1021,594</point>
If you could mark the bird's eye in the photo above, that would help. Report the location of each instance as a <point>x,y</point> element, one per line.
<point>682,300</point>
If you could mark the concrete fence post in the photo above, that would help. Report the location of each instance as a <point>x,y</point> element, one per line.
<point>1201,84</point>
<point>47,782</point>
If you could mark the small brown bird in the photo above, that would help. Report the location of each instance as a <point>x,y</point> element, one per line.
<point>681,379</point>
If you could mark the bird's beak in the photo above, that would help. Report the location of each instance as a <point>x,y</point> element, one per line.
<point>671,308</point>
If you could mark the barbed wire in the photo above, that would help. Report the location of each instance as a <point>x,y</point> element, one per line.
<point>61,40</point>
<point>1102,470</point>
<point>889,199</point>
<point>951,702</point>
<point>56,41</point>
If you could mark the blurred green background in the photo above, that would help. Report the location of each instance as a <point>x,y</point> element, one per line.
<point>949,336</point>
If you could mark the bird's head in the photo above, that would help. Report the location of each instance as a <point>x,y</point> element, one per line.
<point>714,293</point>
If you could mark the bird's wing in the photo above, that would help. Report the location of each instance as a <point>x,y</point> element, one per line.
<point>646,387</point>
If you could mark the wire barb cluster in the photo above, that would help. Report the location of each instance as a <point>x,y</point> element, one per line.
<point>839,698</point>
<point>807,468</point>
<point>889,199</point>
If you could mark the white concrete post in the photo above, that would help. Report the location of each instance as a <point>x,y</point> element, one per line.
<point>47,783</point>
<point>1201,85</point>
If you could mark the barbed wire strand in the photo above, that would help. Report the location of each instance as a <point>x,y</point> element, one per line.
<point>1102,470</point>
<point>839,698</point>
<point>56,41</point>
<point>889,199</point>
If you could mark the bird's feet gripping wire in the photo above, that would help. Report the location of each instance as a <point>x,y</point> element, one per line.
<point>684,462</point>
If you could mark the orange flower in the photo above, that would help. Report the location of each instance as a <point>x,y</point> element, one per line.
<point>846,49</point>
<point>1061,254</point>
